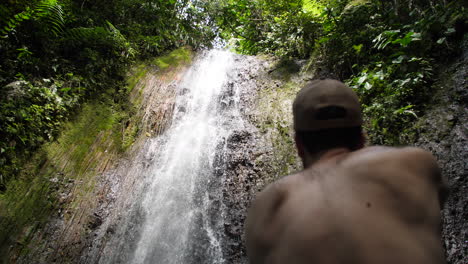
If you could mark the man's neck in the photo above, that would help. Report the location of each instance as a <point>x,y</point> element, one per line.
<point>322,156</point>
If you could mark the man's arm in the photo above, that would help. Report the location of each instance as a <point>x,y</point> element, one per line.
<point>427,164</point>
<point>259,227</point>
<point>439,180</point>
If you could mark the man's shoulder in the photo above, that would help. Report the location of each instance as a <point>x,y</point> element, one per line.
<point>261,220</point>
<point>393,158</point>
<point>393,153</point>
<point>275,193</point>
<point>281,185</point>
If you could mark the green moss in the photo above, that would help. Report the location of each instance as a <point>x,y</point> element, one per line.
<point>130,135</point>
<point>174,58</point>
<point>95,122</point>
<point>139,71</point>
<point>27,203</point>
<point>274,120</point>
<point>87,141</point>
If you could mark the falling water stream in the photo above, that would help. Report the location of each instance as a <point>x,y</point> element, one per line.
<point>176,225</point>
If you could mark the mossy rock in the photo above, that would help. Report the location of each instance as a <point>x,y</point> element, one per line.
<point>173,59</point>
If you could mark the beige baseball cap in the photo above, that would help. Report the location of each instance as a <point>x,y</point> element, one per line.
<point>327,103</point>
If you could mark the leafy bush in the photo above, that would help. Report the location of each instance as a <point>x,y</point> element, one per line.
<point>392,95</point>
<point>31,114</point>
<point>85,49</point>
<point>386,50</point>
<point>394,83</point>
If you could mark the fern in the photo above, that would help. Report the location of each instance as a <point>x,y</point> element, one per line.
<point>47,11</point>
<point>108,35</point>
<point>52,14</point>
<point>116,35</point>
<point>81,34</point>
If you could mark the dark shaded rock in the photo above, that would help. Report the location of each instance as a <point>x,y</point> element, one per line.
<point>95,220</point>
<point>444,131</point>
<point>237,138</point>
<point>184,91</point>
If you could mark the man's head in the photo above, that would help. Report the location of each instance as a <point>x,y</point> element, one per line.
<point>327,114</point>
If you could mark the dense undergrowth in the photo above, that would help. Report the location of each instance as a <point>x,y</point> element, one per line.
<point>55,55</point>
<point>389,51</point>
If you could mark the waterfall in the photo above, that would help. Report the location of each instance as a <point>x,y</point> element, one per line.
<point>180,212</point>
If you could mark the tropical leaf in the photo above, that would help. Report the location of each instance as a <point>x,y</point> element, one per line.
<point>7,25</point>
<point>48,12</point>
<point>51,13</point>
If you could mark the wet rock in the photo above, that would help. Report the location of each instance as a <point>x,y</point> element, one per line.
<point>110,230</point>
<point>184,91</point>
<point>95,221</point>
<point>237,138</point>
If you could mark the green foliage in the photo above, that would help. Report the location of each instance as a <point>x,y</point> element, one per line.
<point>47,11</point>
<point>52,14</point>
<point>385,49</point>
<point>31,114</point>
<point>392,94</point>
<point>279,27</point>
<point>9,25</point>
<point>394,82</point>
<point>65,52</point>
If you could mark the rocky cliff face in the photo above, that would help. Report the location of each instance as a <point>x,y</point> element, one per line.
<point>265,152</point>
<point>251,157</point>
<point>443,131</point>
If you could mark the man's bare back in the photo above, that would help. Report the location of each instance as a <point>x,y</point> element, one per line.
<point>375,205</point>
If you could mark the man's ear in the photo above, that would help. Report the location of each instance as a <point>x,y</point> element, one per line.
<point>299,146</point>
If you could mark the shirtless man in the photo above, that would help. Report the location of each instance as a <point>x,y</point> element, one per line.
<point>350,204</point>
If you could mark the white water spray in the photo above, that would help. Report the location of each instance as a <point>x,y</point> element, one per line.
<point>177,227</point>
